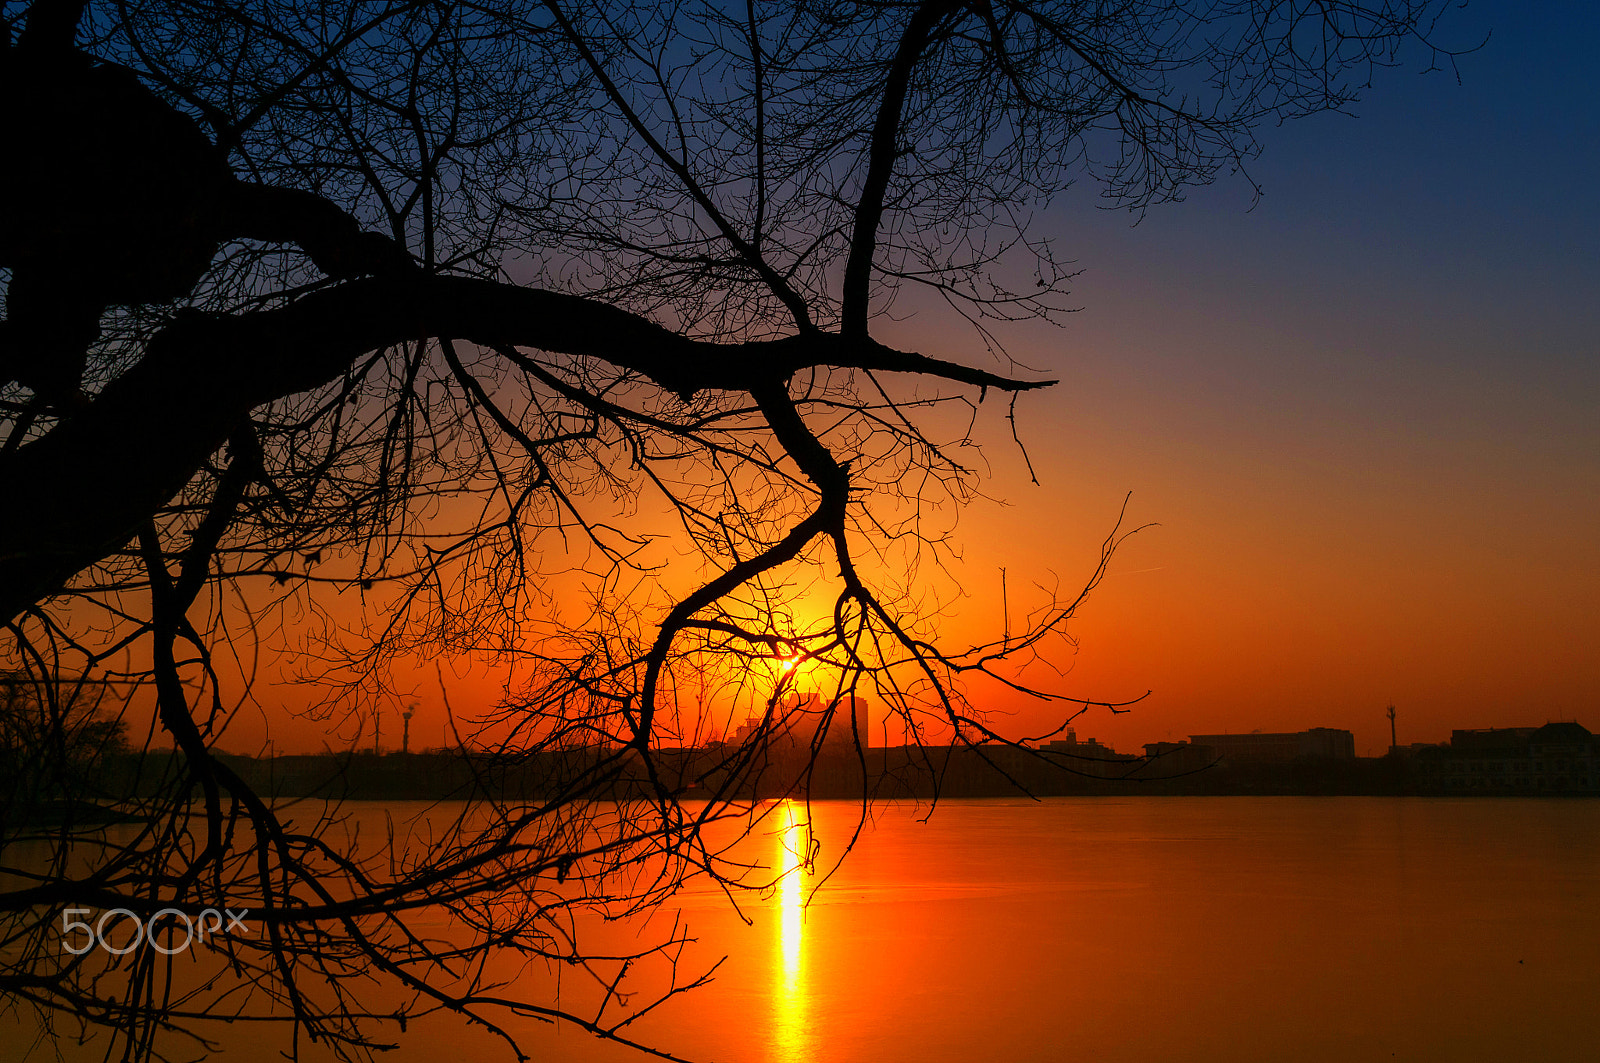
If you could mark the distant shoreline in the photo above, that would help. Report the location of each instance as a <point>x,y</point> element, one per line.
<point>877,773</point>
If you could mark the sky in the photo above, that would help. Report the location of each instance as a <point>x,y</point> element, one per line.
<point>1358,412</point>
<point>1362,412</point>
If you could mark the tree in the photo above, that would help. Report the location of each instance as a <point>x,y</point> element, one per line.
<point>54,751</point>
<point>351,313</point>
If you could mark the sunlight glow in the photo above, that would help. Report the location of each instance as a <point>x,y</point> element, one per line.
<point>793,843</point>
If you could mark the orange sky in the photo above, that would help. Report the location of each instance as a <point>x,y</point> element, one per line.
<point>1401,506</point>
<point>1314,559</point>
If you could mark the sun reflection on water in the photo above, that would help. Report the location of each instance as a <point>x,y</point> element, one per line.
<point>788,988</point>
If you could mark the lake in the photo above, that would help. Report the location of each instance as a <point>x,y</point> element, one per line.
<point>1196,929</point>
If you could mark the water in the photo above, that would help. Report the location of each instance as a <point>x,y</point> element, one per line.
<point>1201,929</point>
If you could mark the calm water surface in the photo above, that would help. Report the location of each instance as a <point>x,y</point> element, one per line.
<point>1162,929</point>
<point>1202,929</point>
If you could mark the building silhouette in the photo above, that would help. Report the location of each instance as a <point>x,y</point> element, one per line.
<point>1089,757</point>
<point>809,722</point>
<point>1558,758</point>
<point>1257,747</point>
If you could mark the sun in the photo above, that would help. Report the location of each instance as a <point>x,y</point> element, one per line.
<point>787,656</point>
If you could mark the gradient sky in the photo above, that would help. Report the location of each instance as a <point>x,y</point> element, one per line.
<point>1363,414</point>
